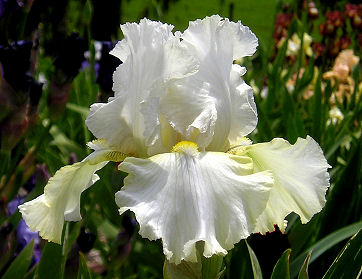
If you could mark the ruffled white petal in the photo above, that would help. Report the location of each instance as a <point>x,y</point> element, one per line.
<point>244,114</point>
<point>61,198</point>
<point>152,56</point>
<point>300,179</point>
<point>186,196</point>
<point>193,117</point>
<point>60,201</point>
<point>121,50</point>
<point>244,41</point>
<point>150,53</point>
<point>210,99</point>
<point>240,41</point>
<point>112,121</point>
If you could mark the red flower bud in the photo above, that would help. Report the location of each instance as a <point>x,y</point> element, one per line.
<point>318,49</point>
<point>344,42</point>
<point>353,10</point>
<point>57,99</point>
<point>356,21</point>
<point>336,18</point>
<point>14,127</point>
<point>6,103</point>
<point>329,28</point>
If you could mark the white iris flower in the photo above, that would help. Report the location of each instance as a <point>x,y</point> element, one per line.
<point>178,121</point>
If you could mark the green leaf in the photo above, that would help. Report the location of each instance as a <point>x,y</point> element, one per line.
<point>21,263</point>
<point>184,270</point>
<point>72,230</point>
<point>317,111</point>
<point>301,236</point>
<point>4,161</point>
<point>79,109</point>
<point>64,144</point>
<point>348,263</point>
<point>211,267</point>
<point>83,271</point>
<point>303,272</point>
<point>307,77</point>
<point>30,274</point>
<point>281,269</point>
<point>345,194</point>
<point>50,265</point>
<point>108,229</point>
<point>238,264</point>
<point>254,263</point>
<point>323,245</point>
<point>204,268</point>
<point>336,140</point>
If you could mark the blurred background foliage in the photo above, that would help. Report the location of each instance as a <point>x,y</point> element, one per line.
<point>55,63</point>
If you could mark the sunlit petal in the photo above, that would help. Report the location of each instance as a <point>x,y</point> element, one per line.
<point>61,198</point>
<point>187,196</point>
<point>244,114</point>
<point>193,116</point>
<point>152,56</point>
<point>300,179</point>
<point>60,201</point>
<point>111,121</point>
<point>210,99</point>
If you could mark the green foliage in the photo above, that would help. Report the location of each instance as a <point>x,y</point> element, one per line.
<point>204,268</point>
<point>281,269</point>
<point>83,272</point>
<point>348,263</point>
<point>303,272</point>
<point>323,245</point>
<point>50,265</point>
<point>255,264</point>
<point>21,264</point>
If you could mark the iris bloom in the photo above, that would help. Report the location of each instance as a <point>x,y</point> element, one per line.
<point>178,122</point>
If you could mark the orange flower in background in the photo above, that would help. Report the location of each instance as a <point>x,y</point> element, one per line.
<point>341,73</point>
<point>343,66</point>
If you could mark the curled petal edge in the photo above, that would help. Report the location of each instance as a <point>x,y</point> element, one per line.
<point>188,196</point>
<point>61,199</point>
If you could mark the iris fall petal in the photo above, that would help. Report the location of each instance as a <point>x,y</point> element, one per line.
<point>300,179</point>
<point>60,201</point>
<point>188,196</point>
<point>61,198</point>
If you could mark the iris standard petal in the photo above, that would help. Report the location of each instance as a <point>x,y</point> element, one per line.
<point>244,41</point>
<point>152,56</point>
<point>188,196</point>
<point>61,198</point>
<point>219,94</point>
<point>244,114</point>
<point>192,116</point>
<point>111,121</point>
<point>300,179</point>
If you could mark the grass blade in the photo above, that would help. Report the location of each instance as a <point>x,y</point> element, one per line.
<point>281,269</point>
<point>21,264</point>
<point>348,263</point>
<point>303,272</point>
<point>254,263</point>
<point>323,245</point>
